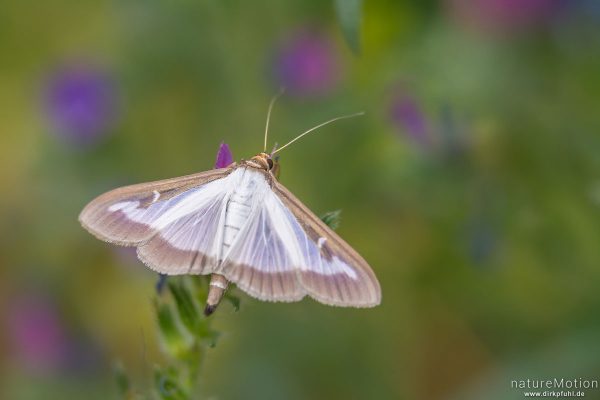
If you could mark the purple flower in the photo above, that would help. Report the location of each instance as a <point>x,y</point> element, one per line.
<point>36,332</point>
<point>224,157</point>
<point>307,64</point>
<point>506,16</point>
<point>81,103</point>
<point>406,114</point>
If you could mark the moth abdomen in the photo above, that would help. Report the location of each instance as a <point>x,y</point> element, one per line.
<point>216,289</point>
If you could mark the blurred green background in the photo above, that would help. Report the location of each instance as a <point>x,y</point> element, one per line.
<point>472,187</point>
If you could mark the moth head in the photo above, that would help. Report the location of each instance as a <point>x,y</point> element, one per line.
<point>263,161</point>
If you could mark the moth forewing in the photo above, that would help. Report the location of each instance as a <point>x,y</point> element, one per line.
<point>124,215</point>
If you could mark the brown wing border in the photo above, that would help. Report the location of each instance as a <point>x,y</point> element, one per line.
<point>315,228</point>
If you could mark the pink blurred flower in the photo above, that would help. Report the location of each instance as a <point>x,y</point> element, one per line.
<point>406,114</point>
<point>81,103</point>
<point>36,332</point>
<point>308,64</point>
<point>503,16</point>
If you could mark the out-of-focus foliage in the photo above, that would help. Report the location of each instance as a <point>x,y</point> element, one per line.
<point>350,17</point>
<point>471,186</point>
<point>186,336</point>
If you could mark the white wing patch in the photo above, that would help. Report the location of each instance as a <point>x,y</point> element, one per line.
<point>321,242</point>
<point>126,206</point>
<point>195,200</point>
<point>272,251</point>
<point>311,258</point>
<point>159,214</point>
<point>190,230</point>
<point>258,259</point>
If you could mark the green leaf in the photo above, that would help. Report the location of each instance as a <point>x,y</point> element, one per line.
<point>173,339</point>
<point>212,338</point>
<point>349,13</point>
<point>234,300</point>
<point>199,286</point>
<point>188,313</point>
<point>167,386</point>
<point>332,219</point>
<point>122,380</point>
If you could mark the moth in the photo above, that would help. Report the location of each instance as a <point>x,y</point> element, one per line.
<point>240,225</point>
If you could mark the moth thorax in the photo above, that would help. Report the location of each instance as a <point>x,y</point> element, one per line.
<point>261,160</point>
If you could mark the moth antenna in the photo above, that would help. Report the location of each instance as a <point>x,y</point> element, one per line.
<point>271,104</point>
<point>317,127</point>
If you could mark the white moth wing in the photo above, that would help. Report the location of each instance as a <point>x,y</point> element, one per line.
<point>285,252</point>
<point>263,259</point>
<point>331,271</point>
<point>173,222</point>
<point>188,235</point>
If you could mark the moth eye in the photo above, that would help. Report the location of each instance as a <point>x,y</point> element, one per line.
<point>270,162</point>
